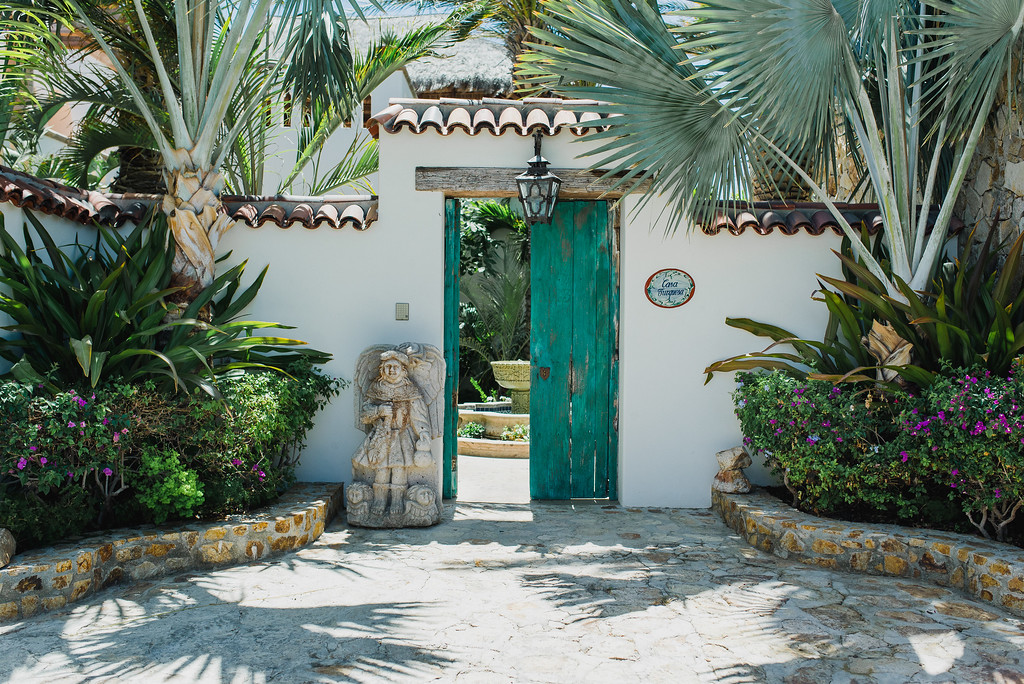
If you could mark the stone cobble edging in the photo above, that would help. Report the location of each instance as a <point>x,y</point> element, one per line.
<point>989,571</point>
<point>50,578</point>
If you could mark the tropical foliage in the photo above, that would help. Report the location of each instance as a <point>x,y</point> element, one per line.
<point>97,312</point>
<point>209,72</point>
<point>707,105</point>
<point>971,315</point>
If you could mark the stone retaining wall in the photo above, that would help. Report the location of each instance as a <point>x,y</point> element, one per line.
<point>989,571</point>
<point>51,578</point>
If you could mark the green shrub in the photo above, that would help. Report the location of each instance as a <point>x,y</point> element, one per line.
<point>164,487</point>
<point>835,448</point>
<point>141,455</point>
<point>472,430</point>
<point>967,433</point>
<point>516,433</point>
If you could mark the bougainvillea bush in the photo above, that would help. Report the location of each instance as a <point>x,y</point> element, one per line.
<point>120,454</point>
<point>949,452</point>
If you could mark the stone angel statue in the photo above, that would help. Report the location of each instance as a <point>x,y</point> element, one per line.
<point>399,406</point>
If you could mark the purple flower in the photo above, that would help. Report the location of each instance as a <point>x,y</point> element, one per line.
<point>43,461</point>
<point>117,437</point>
<point>22,463</point>
<point>955,472</point>
<point>108,472</point>
<point>71,423</point>
<point>998,493</point>
<point>813,439</point>
<point>32,448</point>
<point>82,424</point>
<point>236,461</point>
<point>905,455</point>
<point>124,431</point>
<point>106,421</point>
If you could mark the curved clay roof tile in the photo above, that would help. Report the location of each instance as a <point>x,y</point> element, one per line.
<point>795,222</point>
<point>584,118</point>
<point>246,213</point>
<point>302,213</point>
<point>874,222</point>
<point>432,118</point>
<point>770,221</point>
<point>353,214</point>
<point>821,221</point>
<point>538,118</point>
<point>327,213</point>
<point>563,117</point>
<point>484,118</point>
<point>511,117</point>
<point>274,213</point>
<point>406,119</point>
<point>745,220</point>
<point>460,118</point>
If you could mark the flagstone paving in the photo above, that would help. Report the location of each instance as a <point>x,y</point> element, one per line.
<point>523,593</point>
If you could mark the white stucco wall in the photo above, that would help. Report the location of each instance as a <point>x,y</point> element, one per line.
<point>670,423</point>
<point>340,289</point>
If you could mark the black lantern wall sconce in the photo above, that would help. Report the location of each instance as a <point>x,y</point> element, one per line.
<point>538,187</point>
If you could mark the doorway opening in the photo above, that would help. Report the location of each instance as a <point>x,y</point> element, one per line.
<point>493,429</point>
<point>545,300</point>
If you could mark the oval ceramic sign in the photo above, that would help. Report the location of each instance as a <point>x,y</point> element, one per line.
<point>669,288</point>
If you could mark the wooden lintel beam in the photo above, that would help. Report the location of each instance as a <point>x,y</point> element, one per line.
<point>456,181</point>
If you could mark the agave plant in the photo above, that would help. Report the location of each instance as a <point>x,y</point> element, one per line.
<point>704,106</point>
<point>98,312</point>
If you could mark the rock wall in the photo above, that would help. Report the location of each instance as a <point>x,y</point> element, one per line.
<point>995,178</point>
<point>49,579</point>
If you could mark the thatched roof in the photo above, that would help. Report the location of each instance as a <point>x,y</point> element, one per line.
<point>479,66</point>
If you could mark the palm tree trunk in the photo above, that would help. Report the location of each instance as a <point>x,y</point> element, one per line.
<point>141,170</point>
<point>197,220</point>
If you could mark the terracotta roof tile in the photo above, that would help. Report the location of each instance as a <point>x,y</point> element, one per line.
<point>496,116</point>
<point>86,206</point>
<point>812,218</point>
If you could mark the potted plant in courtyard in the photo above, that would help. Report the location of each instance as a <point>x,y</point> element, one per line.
<point>498,328</point>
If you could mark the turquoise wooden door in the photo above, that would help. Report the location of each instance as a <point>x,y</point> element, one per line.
<point>452,247</point>
<point>573,351</point>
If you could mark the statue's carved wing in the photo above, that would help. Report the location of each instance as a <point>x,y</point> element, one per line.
<point>367,370</point>
<point>427,371</point>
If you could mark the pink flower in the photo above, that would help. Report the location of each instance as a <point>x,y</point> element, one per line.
<point>106,421</point>
<point>998,493</point>
<point>43,461</point>
<point>117,437</point>
<point>22,463</point>
<point>82,424</point>
<point>71,423</point>
<point>124,431</point>
<point>32,448</point>
<point>108,472</point>
<point>236,461</point>
<point>906,457</point>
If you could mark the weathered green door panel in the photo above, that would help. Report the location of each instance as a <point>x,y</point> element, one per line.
<point>550,348</point>
<point>452,245</point>
<point>591,354</point>
<point>574,284</point>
